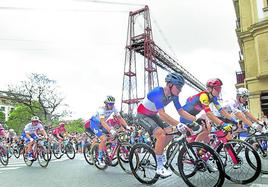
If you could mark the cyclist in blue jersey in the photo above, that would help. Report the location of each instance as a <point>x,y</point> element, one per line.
<point>98,125</point>
<point>153,118</point>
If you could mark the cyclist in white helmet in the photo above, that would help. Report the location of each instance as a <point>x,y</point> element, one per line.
<point>29,134</point>
<point>238,108</point>
<point>98,125</point>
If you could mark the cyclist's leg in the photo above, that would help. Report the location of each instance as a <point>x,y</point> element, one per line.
<point>149,123</point>
<point>95,127</point>
<point>203,136</point>
<point>167,129</point>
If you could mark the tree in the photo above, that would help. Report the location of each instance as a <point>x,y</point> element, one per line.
<point>75,126</point>
<point>42,90</point>
<point>2,117</point>
<point>19,117</point>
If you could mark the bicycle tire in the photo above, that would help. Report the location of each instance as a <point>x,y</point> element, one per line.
<point>123,152</point>
<point>87,154</point>
<point>201,164</point>
<point>140,165</point>
<point>95,153</point>
<point>170,150</point>
<point>69,147</point>
<point>228,167</point>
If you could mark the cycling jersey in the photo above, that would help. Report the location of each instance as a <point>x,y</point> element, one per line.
<point>199,102</point>
<point>59,130</point>
<point>234,106</point>
<point>156,100</point>
<point>95,125</point>
<point>32,129</point>
<point>102,112</point>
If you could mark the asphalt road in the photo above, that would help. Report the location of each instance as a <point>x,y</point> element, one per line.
<point>77,173</point>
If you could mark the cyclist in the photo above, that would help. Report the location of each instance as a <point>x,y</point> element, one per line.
<point>201,101</point>
<point>59,132</point>
<point>99,126</point>
<point>11,136</point>
<point>30,134</point>
<point>153,118</point>
<point>2,131</point>
<point>237,107</point>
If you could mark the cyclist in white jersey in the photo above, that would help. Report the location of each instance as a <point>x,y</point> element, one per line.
<point>29,134</point>
<point>99,126</point>
<point>238,108</point>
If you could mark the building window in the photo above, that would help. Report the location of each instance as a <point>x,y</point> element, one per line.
<point>265,5</point>
<point>2,109</point>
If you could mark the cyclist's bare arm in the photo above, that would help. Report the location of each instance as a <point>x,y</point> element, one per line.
<point>226,114</point>
<point>167,118</point>
<point>186,115</point>
<point>104,124</point>
<point>248,114</point>
<point>241,116</point>
<point>214,118</point>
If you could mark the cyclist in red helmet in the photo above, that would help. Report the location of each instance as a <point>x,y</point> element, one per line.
<point>201,101</point>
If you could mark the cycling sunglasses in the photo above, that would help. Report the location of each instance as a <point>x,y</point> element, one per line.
<point>178,87</point>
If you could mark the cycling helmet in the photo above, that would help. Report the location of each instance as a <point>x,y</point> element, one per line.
<point>35,118</point>
<point>242,92</point>
<point>109,99</point>
<point>214,82</point>
<point>62,124</point>
<point>175,78</point>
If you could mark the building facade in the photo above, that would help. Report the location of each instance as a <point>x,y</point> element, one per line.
<point>6,106</point>
<point>252,34</point>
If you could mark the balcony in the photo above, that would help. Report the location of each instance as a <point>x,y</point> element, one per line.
<point>240,77</point>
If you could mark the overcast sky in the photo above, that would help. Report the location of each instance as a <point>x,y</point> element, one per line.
<point>80,44</point>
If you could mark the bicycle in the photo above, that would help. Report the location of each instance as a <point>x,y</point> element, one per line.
<point>65,147</point>
<point>40,152</point>
<point>193,159</point>
<point>235,154</point>
<point>87,148</point>
<point>3,153</point>
<point>116,151</point>
<point>259,143</point>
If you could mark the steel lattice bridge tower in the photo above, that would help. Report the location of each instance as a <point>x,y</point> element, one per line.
<point>153,56</point>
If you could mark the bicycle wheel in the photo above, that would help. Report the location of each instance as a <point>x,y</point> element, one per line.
<point>10,152</point>
<point>43,156</point>
<point>242,172</point>
<point>143,164</point>
<point>123,152</point>
<point>262,150</point>
<point>56,150</point>
<point>25,158</point>
<point>199,165</point>
<point>70,151</point>
<point>95,154</point>
<point>16,151</point>
<point>174,164</point>
<point>87,154</point>
<point>4,156</point>
<point>48,146</point>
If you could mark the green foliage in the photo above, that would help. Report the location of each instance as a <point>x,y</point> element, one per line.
<point>2,117</point>
<point>19,117</point>
<point>75,126</point>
